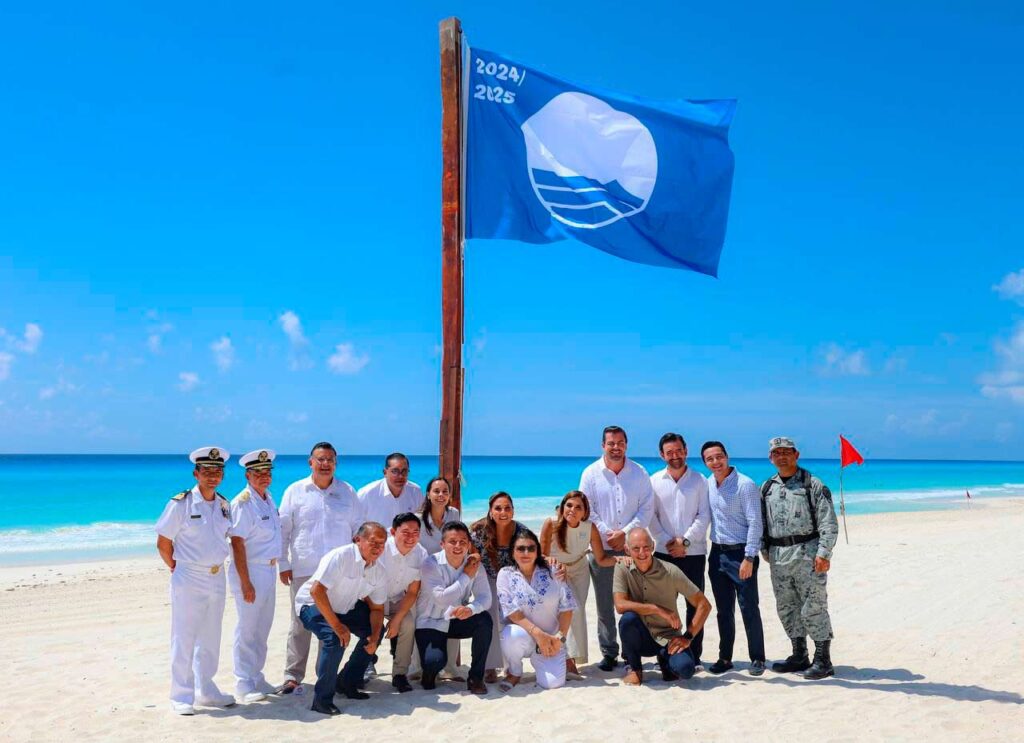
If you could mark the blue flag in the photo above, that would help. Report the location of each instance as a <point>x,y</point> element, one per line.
<point>546,160</point>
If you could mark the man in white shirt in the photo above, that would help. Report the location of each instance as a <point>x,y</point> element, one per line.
<point>393,494</point>
<point>621,498</point>
<point>318,514</point>
<point>345,596</point>
<point>402,560</point>
<point>453,603</point>
<point>682,515</point>
<point>256,547</point>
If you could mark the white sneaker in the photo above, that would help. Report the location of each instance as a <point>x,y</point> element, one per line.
<point>253,696</point>
<point>371,672</point>
<point>181,708</point>
<point>217,699</point>
<point>266,687</point>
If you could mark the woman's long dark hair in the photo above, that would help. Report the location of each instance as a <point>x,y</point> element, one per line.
<point>528,535</point>
<point>425,508</point>
<point>488,530</point>
<point>561,527</point>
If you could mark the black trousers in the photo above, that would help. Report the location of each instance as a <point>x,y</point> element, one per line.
<point>693,568</point>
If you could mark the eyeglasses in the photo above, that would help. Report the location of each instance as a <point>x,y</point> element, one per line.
<point>325,460</point>
<point>397,472</point>
<point>525,548</point>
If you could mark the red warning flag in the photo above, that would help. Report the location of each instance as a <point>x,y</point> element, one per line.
<point>848,454</point>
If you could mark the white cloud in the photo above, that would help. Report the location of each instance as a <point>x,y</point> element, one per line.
<point>33,337</point>
<point>926,424</point>
<point>216,414</point>
<point>297,417</point>
<point>344,360</point>
<point>6,361</point>
<point>1007,381</point>
<point>292,327</point>
<point>28,343</point>
<point>155,339</point>
<point>838,360</point>
<point>223,353</point>
<point>187,381</point>
<point>62,387</point>
<point>1011,287</point>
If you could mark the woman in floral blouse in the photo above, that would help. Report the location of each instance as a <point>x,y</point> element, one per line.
<point>539,611</point>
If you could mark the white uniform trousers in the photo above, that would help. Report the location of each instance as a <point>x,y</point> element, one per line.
<point>197,610</point>
<point>253,628</point>
<point>296,655</point>
<point>517,644</point>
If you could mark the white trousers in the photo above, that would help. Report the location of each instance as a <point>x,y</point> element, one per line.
<point>197,610</point>
<point>517,644</point>
<point>253,628</point>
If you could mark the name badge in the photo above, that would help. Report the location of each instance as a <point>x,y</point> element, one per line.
<point>196,516</point>
<point>264,518</point>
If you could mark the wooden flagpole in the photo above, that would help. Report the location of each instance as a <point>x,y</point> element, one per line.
<point>452,373</point>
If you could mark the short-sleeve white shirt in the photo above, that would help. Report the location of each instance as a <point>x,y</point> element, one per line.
<point>381,506</point>
<point>347,578</point>
<point>198,527</point>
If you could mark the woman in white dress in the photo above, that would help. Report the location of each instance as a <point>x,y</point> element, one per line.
<point>538,610</point>
<point>567,539</point>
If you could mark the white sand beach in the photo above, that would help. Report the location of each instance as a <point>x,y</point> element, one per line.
<point>928,610</point>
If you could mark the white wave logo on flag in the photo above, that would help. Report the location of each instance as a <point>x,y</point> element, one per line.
<point>590,164</point>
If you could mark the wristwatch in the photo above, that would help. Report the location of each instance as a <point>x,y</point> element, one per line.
<point>686,542</point>
<point>687,635</point>
<point>561,637</point>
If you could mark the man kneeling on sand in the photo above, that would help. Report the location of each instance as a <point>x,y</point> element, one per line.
<point>645,594</point>
<point>345,597</point>
<point>453,603</point>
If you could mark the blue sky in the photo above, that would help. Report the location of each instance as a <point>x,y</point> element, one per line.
<point>221,225</point>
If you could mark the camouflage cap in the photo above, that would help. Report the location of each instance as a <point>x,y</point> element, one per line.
<point>781,442</point>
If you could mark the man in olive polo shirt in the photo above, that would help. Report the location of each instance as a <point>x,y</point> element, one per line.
<point>646,594</point>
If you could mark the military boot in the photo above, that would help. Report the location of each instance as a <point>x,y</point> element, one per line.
<point>798,661</point>
<point>822,667</point>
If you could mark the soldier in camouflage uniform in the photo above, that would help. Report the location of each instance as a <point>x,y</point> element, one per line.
<point>800,531</point>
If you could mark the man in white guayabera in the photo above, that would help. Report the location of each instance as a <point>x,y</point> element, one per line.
<point>318,514</point>
<point>621,498</point>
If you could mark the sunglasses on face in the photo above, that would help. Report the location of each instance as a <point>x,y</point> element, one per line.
<point>526,548</point>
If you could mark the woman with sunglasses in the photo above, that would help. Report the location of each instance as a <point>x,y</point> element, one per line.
<point>539,610</point>
<point>567,539</point>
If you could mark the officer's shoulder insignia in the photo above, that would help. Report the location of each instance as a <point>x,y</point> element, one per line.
<point>243,497</point>
<point>180,495</point>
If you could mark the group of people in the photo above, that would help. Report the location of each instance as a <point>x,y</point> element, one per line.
<point>392,563</point>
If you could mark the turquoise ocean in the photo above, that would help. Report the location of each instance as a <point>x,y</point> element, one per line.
<point>76,508</point>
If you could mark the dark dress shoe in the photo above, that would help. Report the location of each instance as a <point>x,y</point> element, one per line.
<point>401,683</point>
<point>667,674</point>
<point>476,686</point>
<point>608,663</point>
<point>429,681</point>
<point>350,692</point>
<point>720,666</point>
<point>325,709</point>
<point>757,668</point>
<point>288,687</point>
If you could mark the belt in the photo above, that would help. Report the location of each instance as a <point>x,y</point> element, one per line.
<point>790,541</point>
<point>728,547</point>
<point>214,569</point>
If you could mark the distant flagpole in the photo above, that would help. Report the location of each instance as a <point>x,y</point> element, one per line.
<point>848,454</point>
<point>452,243</point>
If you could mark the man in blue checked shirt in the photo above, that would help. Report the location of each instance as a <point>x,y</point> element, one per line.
<point>737,528</point>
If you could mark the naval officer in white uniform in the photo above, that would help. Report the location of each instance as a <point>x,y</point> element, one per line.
<point>192,541</point>
<point>256,548</point>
